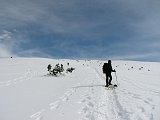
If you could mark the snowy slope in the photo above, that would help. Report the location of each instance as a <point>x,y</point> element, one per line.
<point>28,93</point>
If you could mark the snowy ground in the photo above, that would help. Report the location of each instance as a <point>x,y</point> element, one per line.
<point>28,93</point>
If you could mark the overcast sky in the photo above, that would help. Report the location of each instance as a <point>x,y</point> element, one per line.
<point>83,29</point>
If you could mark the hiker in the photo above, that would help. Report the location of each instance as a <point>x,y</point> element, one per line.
<point>49,68</point>
<point>107,69</point>
<point>61,69</point>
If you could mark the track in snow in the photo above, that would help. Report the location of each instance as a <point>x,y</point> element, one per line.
<point>82,94</point>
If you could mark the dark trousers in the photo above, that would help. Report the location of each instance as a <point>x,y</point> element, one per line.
<point>108,81</point>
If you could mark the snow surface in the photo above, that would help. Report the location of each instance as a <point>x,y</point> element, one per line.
<point>27,92</point>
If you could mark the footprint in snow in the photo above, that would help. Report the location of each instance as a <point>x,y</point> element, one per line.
<point>90,117</point>
<point>38,115</point>
<point>85,109</point>
<point>89,98</point>
<point>65,98</point>
<point>90,104</point>
<point>83,101</point>
<point>54,105</point>
<point>137,96</point>
<point>67,95</point>
<point>142,114</point>
<point>148,102</point>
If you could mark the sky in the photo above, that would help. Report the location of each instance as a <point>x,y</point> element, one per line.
<point>81,29</point>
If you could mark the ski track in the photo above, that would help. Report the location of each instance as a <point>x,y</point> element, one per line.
<point>113,106</point>
<point>53,105</point>
<point>88,102</point>
<point>132,99</point>
<point>101,105</point>
<point>26,76</point>
<point>116,111</point>
<point>141,113</point>
<point>153,91</point>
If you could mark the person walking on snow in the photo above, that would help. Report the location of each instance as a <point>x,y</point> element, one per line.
<point>107,69</point>
<point>49,68</point>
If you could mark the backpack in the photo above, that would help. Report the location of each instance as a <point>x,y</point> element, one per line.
<point>105,67</point>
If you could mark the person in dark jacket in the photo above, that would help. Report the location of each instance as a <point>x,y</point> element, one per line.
<point>107,69</point>
<point>49,68</point>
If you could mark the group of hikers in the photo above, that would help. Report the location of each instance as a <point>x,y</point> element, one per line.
<point>58,69</point>
<point>107,70</point>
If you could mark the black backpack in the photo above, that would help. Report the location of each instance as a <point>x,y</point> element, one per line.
<point>105,67</point>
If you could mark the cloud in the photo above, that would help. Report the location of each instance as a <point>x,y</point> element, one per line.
<point>78,16</point>
<point>94,18</point>
<point>97,28</point>
<point>4,52</point>
<point>143,57</point>
<point>4,47</point>
<point>33,52</point>
<point>10,42</point>
<point>19,13</point>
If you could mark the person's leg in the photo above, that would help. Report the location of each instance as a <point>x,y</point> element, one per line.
<point>106,80</point>
<point>110,79</point>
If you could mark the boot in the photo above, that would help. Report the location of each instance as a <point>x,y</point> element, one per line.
<point>106,85</point>
<point>110,83</point>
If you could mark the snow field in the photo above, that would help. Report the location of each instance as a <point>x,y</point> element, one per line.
<point>28,93</point>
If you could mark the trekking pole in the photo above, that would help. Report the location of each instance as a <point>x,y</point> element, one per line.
<point>116,79</point>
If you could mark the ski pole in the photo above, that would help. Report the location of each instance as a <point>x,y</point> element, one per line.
<point>116,79</point>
